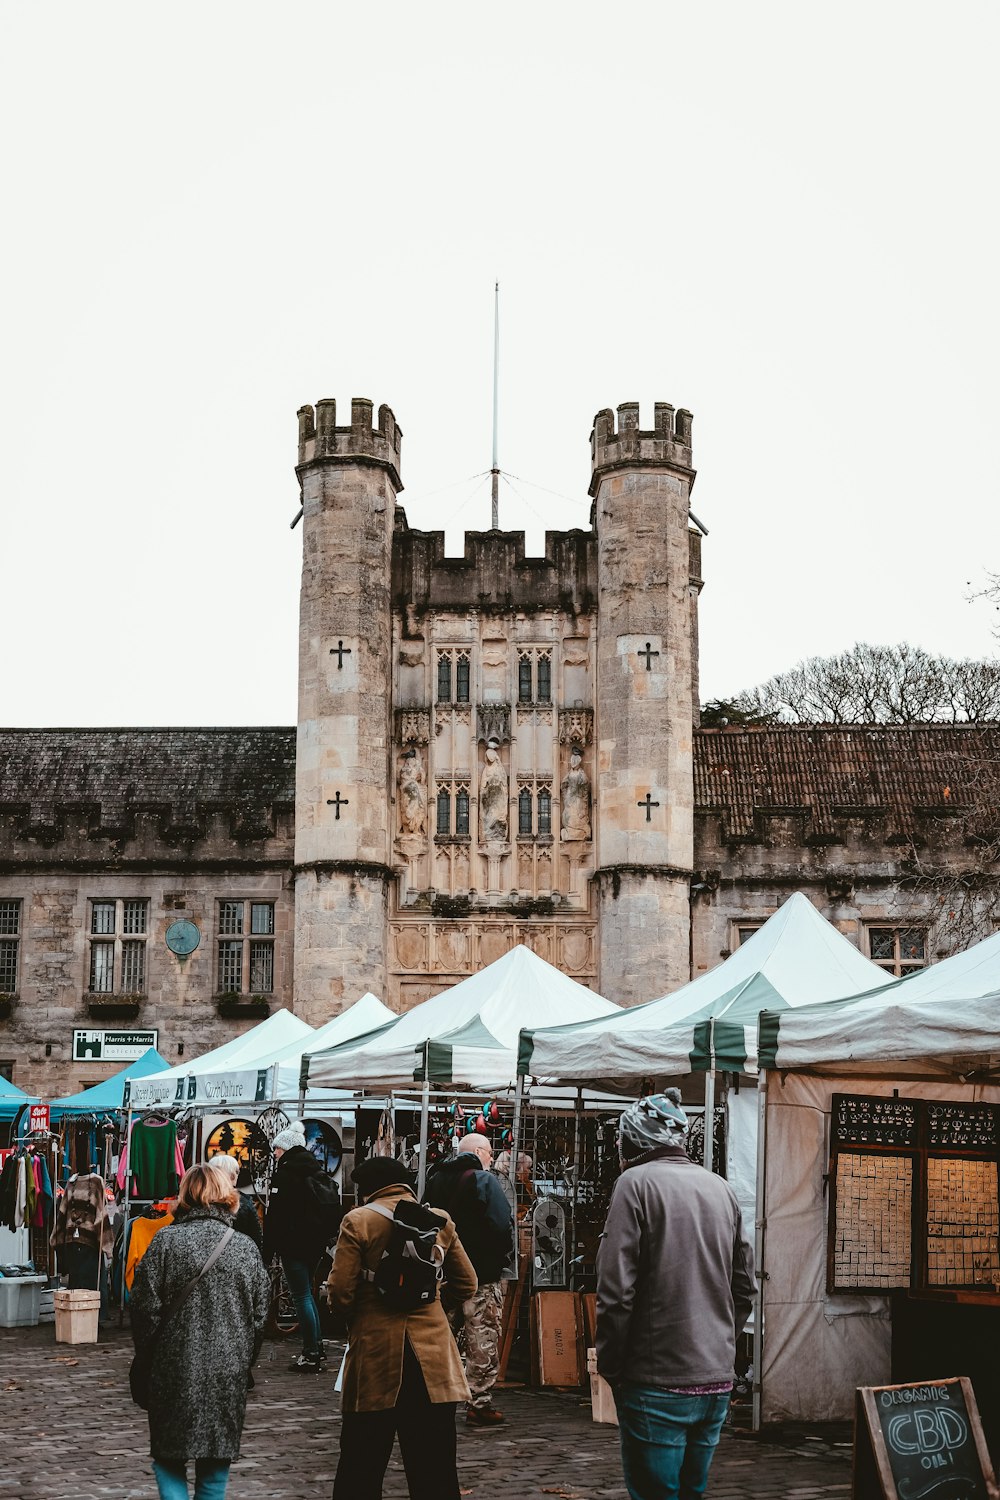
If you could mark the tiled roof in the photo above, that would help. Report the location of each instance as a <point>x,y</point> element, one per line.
<point>835,771</point>
<point>121,769</point>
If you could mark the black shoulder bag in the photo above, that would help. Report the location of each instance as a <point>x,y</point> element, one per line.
<point>140,1372</point>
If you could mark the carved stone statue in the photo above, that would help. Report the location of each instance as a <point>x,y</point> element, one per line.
<point>494,796</point>
<point>575,796</point>
<point>412,793</point>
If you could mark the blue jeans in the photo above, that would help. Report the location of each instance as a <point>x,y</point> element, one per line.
<point>299,1278</point>
<point>667,1441</point>
<point>210,1480</point>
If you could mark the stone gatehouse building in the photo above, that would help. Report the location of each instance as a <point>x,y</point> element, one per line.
<point>490,749</point>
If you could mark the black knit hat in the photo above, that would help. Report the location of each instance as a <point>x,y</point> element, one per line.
<point>379,1172</point>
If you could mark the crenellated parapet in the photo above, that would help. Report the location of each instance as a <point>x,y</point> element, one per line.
<point>494,573</point>
<point>321,440</point>
<point>667,446</point>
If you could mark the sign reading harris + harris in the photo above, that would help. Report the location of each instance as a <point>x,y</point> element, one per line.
<point>922,1441</point>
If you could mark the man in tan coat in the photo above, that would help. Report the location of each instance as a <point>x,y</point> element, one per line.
<point>403,1376</point>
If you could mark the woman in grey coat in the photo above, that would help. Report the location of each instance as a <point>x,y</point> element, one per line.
<point>198,1392</point>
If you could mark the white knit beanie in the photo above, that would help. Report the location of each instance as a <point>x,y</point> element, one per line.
<point>292,1135</point>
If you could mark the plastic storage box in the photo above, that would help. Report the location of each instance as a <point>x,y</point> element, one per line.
<point>19,1300</point>
<point>76,1316</point>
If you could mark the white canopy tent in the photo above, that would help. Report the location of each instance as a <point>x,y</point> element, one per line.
<point>797,956</point>
<point>235,1067</point>
<point>934,1015</point>
<point>364,1017</point>
<point>466,1036</point>
<point>933,1036</point>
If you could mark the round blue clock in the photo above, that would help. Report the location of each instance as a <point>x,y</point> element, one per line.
<point>182,937</point>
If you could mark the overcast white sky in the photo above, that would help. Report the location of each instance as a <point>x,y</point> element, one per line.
<point>781,216</point>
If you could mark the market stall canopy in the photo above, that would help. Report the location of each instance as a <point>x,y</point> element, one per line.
<point>946,1016</point>
<point>13,1099</point>
<point>795,958</point>
<point>267,1037</point>
<point>466,1036</point>
<point>363,1017</point>
<point>109,1093</point>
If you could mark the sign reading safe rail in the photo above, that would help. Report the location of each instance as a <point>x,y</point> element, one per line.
<point>920,1442</point>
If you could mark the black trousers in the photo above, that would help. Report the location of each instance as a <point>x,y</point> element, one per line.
<point>426,1432</point>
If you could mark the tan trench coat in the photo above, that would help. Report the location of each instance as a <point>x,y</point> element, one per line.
<point>374,1368</point>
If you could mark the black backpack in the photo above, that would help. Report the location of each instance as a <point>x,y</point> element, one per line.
<point>412,1265</point>
<point>323,1197</point>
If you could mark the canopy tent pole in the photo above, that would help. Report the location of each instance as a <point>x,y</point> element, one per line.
<point>128,1204</point>
<point>425,1110</point>
<point>760,1221</point>
<point>709,1119</point>
<point>515,1151</point>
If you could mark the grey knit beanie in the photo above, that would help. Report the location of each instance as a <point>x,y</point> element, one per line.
<point>292,1135</point>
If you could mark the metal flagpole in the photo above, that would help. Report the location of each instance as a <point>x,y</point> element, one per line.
<point>495,471</point>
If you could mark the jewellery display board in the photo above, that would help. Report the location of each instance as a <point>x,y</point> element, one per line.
<point>914,1195</point>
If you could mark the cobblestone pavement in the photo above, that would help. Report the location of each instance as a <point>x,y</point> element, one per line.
<point>70,1432</point>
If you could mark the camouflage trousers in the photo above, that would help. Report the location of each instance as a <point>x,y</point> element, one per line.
<point>476,1326</point>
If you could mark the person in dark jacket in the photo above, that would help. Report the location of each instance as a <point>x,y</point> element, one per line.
<point>675,1286</point>
<point>198,1390</point>
<point>295,1230</point>
<point>467,1190</point>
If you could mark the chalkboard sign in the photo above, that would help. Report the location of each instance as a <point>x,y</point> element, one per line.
<point>920,1442</point>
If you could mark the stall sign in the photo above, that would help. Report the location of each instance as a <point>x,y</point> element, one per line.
<point>153,1093</point>
<point>100,1044</point>
<point>246,1087</point>
<point>38,1118</point>
<point>920,1440</point>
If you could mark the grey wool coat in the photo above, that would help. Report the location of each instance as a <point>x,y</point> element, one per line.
<point>199,1386</point>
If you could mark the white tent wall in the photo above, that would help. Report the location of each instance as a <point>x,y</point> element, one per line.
<point>741,1147</point>
<point>817,1348</point>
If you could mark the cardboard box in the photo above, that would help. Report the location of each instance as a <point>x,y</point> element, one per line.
<point>602,1397</point>
<point>76,1316</point>
<point>558,1319</point>
<point>589,1319</point>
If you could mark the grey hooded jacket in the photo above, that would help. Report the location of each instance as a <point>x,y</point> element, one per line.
<point>675,1280</point>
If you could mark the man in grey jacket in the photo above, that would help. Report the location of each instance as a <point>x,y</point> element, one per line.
<point>675,1286</point>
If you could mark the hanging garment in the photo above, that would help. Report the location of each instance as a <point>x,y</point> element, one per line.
<point>82,1215</point>
<point>155,1163</point>
<point>30,1191</point>
<point>8,1191</point>
<point>21,1196</point>
<point>140,1239</point>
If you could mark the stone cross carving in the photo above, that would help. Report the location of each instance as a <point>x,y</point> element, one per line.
<point>337,803</point>
<point>648,654</point>
<point>340,651</point>
<point>648,804</point>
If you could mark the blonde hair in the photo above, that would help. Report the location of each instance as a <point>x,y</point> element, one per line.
<point>228,1165</point>
<point>204,1187</point>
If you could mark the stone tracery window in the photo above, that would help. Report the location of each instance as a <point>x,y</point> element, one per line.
<point>534,676</point>
<point>454,676</point>
<point>117,957</point>
<point>452,819</point>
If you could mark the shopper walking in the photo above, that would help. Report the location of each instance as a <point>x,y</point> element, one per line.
<point>675,1286</point>
<point>466,1189</point>
<point>402,1376</point>
<point>303,1217</point>
<point>204,1346</point>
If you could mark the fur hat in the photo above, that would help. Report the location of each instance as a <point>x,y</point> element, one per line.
<point>292,1135</point>
<point>379,1172</point>
<point>650,1124</point>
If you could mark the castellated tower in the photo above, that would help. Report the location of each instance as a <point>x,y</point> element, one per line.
<point>349,478</point>
<point>641,484</point>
